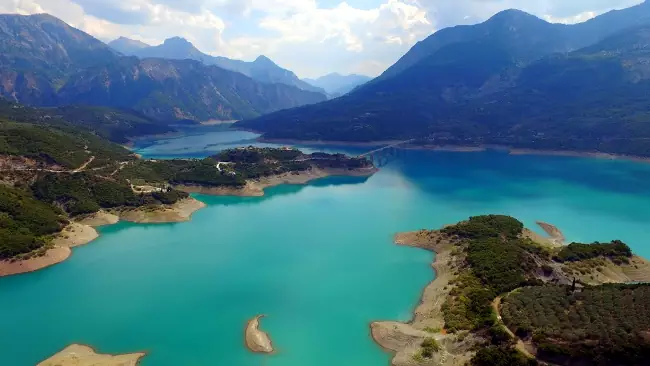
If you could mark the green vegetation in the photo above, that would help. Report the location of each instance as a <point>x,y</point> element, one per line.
<point>429,347</point>
<point>575,252</point>
<point>85,193</point>
<point>60,145</point>
<point>603,325</point>
<point>25,222</point>
<point>501,356</point>
<point>236,167</point>
<point>497,261</point>
<point>111,124</point>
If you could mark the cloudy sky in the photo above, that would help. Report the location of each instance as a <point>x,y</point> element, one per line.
<point>310,37</point>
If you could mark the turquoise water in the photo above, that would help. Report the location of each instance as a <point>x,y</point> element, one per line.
<point>317,259</point>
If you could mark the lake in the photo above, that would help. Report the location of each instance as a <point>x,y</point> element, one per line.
<point>318,260</point>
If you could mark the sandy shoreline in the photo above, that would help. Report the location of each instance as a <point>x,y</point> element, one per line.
<point>81,355</point>
<point>255,188</point>
<point>404,339</point>
<point>83,232</point>
<point>257,340</point>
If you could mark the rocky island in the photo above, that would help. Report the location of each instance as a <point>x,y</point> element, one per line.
<point>257,340</point>
<point>492,283</point>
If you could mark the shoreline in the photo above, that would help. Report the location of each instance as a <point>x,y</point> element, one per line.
<point>81,354</point>
<point>403,340</point>
<point>460,148</point>
<point>181,211</point>
<point>255,188</point>
<point>82,232</point>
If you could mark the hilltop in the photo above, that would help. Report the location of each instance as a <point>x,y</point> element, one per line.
<point>480,307</point>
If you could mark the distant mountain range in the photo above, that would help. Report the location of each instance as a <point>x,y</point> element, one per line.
<point>513,80</point>
<point>45,62</point>
<point>262,69</point>
<point>336,84</point>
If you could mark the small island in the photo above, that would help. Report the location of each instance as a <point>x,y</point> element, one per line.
<point>80,355</point>
<point>492,283</point>
<point>257,340</point>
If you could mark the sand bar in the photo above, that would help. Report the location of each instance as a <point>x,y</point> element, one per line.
<point>553,232</point>
<point>257,340</point>
<point>80,355</point>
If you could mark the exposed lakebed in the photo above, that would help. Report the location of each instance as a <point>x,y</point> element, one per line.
<point>318,260</point>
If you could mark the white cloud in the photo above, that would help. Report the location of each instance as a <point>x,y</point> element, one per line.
<point>305,36</point>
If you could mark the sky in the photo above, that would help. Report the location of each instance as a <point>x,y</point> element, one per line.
<point>310,37</point>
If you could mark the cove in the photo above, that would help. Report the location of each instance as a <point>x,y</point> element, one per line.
<point>318,260</point>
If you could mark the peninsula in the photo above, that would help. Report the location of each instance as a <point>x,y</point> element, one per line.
<point>62,184</point>
<point>479,308</point>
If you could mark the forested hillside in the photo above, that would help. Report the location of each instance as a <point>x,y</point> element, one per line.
<point>115,125</point>
<point>520,302</point>
<point>500,87</point>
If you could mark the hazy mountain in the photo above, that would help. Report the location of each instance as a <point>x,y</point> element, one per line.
<point>336,84</point>
<point>127,46</point>
<point>262,69</point>
<point>45,62</point>
<point>501,89</point>
<point>180,89</point>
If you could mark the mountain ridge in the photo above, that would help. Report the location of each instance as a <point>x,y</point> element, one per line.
<point>336,84</point>
<point>589,99</point>
<point>262,69</point>
<point>45,62</point>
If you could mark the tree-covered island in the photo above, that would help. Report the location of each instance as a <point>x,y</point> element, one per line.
<point>504,296</point>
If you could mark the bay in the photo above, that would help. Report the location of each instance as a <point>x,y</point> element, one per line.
<point>318,260</point>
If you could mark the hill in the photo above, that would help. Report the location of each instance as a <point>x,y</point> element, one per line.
<point>262,69</point>
<point>502,298</point>
<point>587,100</point>
<point>115,125</point>
<point>45,62</point>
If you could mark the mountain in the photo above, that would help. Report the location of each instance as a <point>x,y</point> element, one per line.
<point>337,84</point>
<point>38,51</point>
<point>262,69</point>
<point>127,46</point>
<point>180,90</point>
<point>591,99</point>
<point>45,62</point>
<point>530,37</point>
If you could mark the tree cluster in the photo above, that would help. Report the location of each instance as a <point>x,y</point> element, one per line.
<point>602,325</point>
